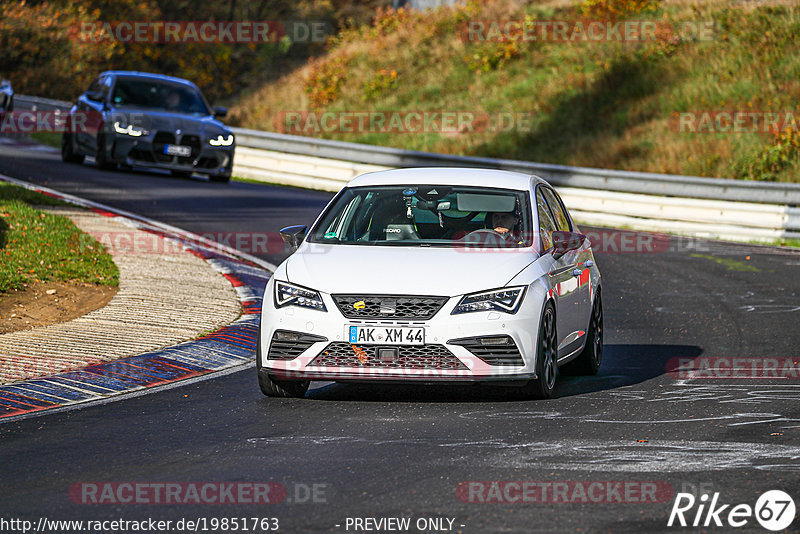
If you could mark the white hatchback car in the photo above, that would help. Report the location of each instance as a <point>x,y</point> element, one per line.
<point>434,275</point>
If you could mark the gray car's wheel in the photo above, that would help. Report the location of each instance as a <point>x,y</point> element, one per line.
<point>68,154</point>
<point>101,158</point>
<point>589,360</point>
<point>221,178</point>
<point>543,385</point>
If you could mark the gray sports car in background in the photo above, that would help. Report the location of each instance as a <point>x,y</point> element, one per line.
<point>6,98</point>
<point>148,120</point>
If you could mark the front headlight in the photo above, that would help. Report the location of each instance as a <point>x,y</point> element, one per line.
<point>506,300</point>
<point>287,294</point>
<point>129,130</point>
<point>221,141</point>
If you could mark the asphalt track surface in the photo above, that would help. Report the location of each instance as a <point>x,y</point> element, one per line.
<point>402,451</point>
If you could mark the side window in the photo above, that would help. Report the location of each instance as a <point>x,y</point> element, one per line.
<point>94,87</point>
<point>546,224</point>
<point>106,86</point>
<point>337,226</point>
<point>558,209</point>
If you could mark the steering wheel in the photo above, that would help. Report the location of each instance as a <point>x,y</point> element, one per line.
<point>487,232</point>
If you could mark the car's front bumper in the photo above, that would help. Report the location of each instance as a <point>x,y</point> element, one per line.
<point>148,151</point>
<point>440,359</point>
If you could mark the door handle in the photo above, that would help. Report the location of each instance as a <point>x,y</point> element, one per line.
<point>577,272</point>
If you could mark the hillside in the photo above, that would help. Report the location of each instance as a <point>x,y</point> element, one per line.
<point>657,104</point>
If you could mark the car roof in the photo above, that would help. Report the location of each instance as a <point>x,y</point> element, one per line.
<point>448,176</point>
<point>150,75</point>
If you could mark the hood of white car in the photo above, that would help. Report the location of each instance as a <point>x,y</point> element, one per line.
<point>403,270</point>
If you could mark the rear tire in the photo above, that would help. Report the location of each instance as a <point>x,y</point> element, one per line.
<point>181,174</point>
<point>543,385</point>
<point>68,154</point>
<point>589,360</point>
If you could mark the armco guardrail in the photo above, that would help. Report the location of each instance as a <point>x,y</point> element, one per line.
<point>704,207</point>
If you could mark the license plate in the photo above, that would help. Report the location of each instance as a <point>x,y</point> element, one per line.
<point>178,150</point>
<point>385,335</point>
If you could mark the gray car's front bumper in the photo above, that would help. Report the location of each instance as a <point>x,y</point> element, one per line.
<point>148,151</point>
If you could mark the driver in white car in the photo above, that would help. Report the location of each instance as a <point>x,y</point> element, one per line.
<point>504,222</point>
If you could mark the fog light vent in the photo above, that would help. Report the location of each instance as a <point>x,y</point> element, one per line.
<point>494,350</point>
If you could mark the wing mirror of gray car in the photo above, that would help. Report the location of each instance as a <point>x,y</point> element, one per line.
<point>94,96</point>
<point>294,235</point>
<point>564,242</point>
<point>220,111</point>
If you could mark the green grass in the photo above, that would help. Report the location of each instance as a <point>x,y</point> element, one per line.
<point>729,263</point>
<point>38,246</point>
<point>784,243</point>
<point>599,104</point>
<point>47,138</point>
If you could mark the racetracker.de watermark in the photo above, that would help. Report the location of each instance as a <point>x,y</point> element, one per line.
<point>564,492</point>
<point>138,242</point>
<point>726,368</point>
<point>602,242</point>
<point>212,493</point>
<point>78,122</point>
<point>174,32</point>
<point>401,122</point>
<point>584,30</point>
<point>734,121</point>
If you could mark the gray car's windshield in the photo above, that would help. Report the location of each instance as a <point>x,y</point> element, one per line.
<point>427,215</point>
<point>153,94</point>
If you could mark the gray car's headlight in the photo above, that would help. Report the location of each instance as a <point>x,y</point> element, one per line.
<point>506,300</point>
<point>221,141</point>
<point>129,129</point>
<point>287,294</point>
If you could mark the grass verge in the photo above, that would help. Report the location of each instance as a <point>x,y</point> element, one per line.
<point>52,139</point>
<point>607,103</point>
<point>36,246</point>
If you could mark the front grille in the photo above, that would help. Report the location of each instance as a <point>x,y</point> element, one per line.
<point>286,345</point>
<point>340,354</point>
<point>494,350</point>
<point>191,141</point>
<point>389,306</point>
<point>159,140</point>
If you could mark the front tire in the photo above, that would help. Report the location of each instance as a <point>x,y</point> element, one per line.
<point>272,387</point>
<point>68,154</point>
<point>220,178</point>
<point>543,385</point>
<point>101,158</point>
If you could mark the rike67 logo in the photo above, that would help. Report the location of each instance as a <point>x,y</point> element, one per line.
<point>774,510</point>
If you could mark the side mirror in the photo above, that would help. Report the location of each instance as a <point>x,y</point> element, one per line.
<point>220,111</point>
<point>564,242</point>
<point>294,235</point>
<point>94,96</point>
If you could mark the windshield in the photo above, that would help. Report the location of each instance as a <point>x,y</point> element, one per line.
<point>165,96</point>
<point>430,215</point>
